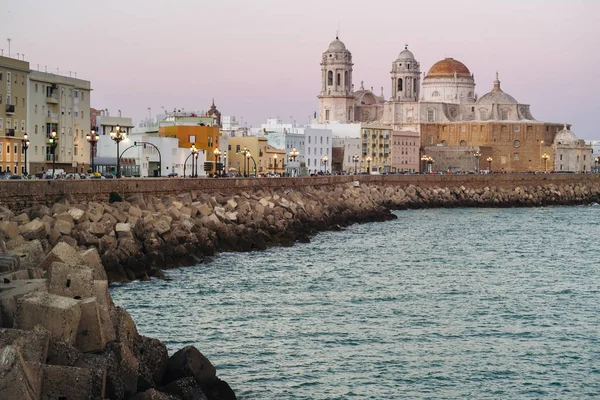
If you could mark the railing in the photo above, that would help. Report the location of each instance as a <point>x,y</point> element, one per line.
<point>52,98</point>
<point>10,132</point>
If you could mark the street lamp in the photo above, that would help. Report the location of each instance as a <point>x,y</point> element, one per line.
<point>477,155</point>
<point>193,152</point>
<point>244,152</point>
<point>545,157</point>
<point>489,160</point>
<point>369,165</point>
<point>92,139</point>
<point>118,135</point>
<point>275,164</point>
<point>355,158</point>
<point>25,145</point>
<point>248,155</point>
<point>217,154</point>
<point>224,164</point>
<point>53,140</point>
<point>597,160</point>
<point>325,158</point>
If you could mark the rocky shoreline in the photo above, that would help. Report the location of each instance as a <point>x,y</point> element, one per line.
<point>58,323</point>
<point>139,236</point>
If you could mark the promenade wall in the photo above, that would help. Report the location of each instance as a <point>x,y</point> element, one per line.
<point>17,194</point>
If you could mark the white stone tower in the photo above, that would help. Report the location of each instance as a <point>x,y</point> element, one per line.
<point>336,100</point>
<point>406,77</point>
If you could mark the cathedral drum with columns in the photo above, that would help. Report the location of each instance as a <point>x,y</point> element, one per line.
<point>462,130</point>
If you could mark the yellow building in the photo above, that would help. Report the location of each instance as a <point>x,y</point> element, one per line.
<point>376,148</point>
<point>262,159</point>
<point>13,114</point>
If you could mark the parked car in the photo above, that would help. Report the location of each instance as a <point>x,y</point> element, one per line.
<point>173,175</point>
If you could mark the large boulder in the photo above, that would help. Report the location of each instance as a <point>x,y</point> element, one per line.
<point>189,362</point>
<point>33,230</point>
<point>122,371</point>
<point>152,356</point>
<point>62,253</point>
<point>9,229</point>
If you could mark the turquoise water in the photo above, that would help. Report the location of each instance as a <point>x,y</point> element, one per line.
<point>440,303</point>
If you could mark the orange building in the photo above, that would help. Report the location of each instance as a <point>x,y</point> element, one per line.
<point>205,138</point>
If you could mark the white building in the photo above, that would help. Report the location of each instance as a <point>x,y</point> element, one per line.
<point>351,147</point>
<point>318,144</point>
<point>143,151</point>
<point>61,104</point>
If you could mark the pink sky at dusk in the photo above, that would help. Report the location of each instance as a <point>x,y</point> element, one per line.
<point>260,58</point>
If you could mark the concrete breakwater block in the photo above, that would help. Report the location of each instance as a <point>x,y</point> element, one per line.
<point>59,315</point>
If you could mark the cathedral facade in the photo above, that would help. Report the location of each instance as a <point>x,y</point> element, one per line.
<point>444,109</point>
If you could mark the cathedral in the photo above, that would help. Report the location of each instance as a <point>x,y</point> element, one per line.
<point>453,123</point>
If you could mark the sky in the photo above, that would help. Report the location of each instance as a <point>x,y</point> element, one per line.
<point>260,59</point>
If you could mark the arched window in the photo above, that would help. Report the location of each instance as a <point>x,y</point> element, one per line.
<point>435,94</point>
<point>400,86</point>
<point>339,79</point>
<point>482,115</point>
<point>504,115</point>
<point>330,78</point>
<point>346,79</point>
<point>444,143</point>
<point>463,143</point>
<point>470,95</point>
<point>430,115</point>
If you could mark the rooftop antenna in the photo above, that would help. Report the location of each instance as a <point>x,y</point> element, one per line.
<point>9,40</point>
<point>2,52</point>
<point>337,33</point>
<point>18,56</point>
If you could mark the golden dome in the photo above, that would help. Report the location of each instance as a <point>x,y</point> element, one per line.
<point>447,67</point>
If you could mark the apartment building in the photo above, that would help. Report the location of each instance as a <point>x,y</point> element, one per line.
<point>13,114</point>
<point>58,104</point>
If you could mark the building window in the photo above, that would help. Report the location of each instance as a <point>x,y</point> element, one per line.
<point>435,94</point>
<point>82,96</point>
<point>482,115</point>
<point>463,128</point>
<point>1,124</point>
<point>338,80</point>
<point>400,85</point>
<point>192,139</point>
<point>463,143</point>
<point>36,87</point>
<point>430,115</point>
<point>330,78</point>
<point>516,156</point>
<point>22,125</point>
<point>561,160</point>
<point>76,113</point>
<point>76,93</point>
<point>430,140</point>
<point>504,115</point>
<point>327,115</point>
<point>516,143</point>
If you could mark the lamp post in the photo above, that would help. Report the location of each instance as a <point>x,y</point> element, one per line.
<point>248,155</point>
<point>53,140</point>
<point>597,160</point>
<point>275,163</point>
<point>244,152</point>
<point>489,160</point>
<point>355,159</point>
<point>92,139</point>
<point>325,158</point>
<point>217,154</point>
<point>293,154</point>
<point>545,157</point>
<point>25,145</point>
<point>477,155</point>
<point>224,173</point>
<point>193,153</point>
<point>425,158</point>
<point>118,135</point>
<point>369,165</point>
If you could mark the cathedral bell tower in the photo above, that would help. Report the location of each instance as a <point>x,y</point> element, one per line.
<point>336,100</point>
<point>406,77</point>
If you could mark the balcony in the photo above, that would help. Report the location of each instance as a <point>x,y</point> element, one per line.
<point>52,99</point>
<point>10,132</point>
<point>52,118</point>
<point>10,109</point>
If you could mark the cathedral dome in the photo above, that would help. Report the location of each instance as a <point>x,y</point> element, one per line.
<point>446,69</point>
<point>497,96</point>
<point>566,137</point>
<point>336,45</point>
